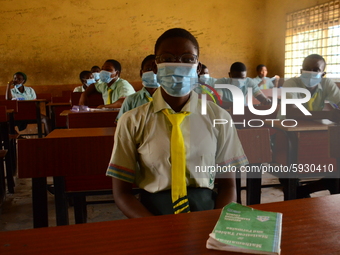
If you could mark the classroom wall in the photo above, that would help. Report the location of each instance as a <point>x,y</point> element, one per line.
<point>52,41</point>
<point>275,28</point>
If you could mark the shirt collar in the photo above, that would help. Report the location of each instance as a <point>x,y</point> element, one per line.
<point>18,91</point>
<point>159,103</point>
<point>113,84</point>
<point>144,93</point>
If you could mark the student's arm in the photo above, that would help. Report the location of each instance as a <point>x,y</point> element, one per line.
<point>226,192</point>
<point>263,99</point>
<point>89,91</point>
<point>116,104</point>
<point>8,94</point>
<point>126,201</point>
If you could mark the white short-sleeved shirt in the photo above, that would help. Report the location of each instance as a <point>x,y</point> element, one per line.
<point>121,88</point>
<point>326,90</point>
<point>141,152</point>
<point>79,89</point>
<point>268,82</point>
<point>227,96</point>
<point>28,94</point>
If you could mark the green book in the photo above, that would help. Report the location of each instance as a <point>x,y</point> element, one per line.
<point>244,229</point>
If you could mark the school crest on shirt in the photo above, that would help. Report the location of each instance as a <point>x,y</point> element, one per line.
<point>263,218</point>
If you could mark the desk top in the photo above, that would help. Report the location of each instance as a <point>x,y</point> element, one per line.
<point>67,112</point>
<point>59,104</point>
<point>310,226</point>
<point>303,125</point>
<point>81,132</point>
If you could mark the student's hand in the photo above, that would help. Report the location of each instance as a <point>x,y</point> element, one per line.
<point>266,101</point>
<point>10,83</point>
<point>100,106</point>
<point>276,77</point>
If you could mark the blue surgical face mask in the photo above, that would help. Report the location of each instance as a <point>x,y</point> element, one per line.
<point>238,82</point>
<point>177,79</point>
<point>96,76</point>
<point>105,76</point>
<point>18,85</point>
<point>310,79</point>
<point>149,80</point>
<point>204,78</point>
<point>90,81</point>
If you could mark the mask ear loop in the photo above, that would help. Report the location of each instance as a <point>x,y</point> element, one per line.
<point>215,92</point>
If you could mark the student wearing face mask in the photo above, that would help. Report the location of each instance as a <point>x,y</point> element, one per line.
<point>95,71</point>
<point>311,78</point>
<point>150,84</point>
<point>111,86</point>
<point>19,91</point>
<point>86,79</point>
<point>263,81</point>
<point>238,77</point>
<point>159,145</point>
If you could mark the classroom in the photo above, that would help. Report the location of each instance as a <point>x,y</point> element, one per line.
<point>52,42</point>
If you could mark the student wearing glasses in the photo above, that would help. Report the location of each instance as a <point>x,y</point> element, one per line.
<point>163,146</point>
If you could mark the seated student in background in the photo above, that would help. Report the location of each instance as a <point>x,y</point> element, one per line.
<point>86,79</point>
<point>238,78</point>
<point>21,92</point>
<point>263,81</point>
<point>95,71</point>
<point>206,84</point>
<point>150,84</point>
<point>321,89</point>
<point>111,86</point>
<point>160,157</point>
<point>204,77</point>
<point>311,78</point>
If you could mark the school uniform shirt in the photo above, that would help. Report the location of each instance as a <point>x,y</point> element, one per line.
<point>28,94</point>
<point>121,88</point>
<point>79,89</point>
<point>227,96</point>
<point>326,90</point>
<point>141,152</point>
<point>268,82</point>
<point>139,98</point>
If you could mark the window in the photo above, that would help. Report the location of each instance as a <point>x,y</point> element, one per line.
<point>314,30</point>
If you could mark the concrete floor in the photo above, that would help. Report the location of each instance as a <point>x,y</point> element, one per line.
<point>16,212</point>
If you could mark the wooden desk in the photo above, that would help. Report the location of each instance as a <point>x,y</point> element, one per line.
<point>55,109</point>
<point>310,226</point>
<point>58,155</point>
<point>293,145</point>
<point>31,110</point>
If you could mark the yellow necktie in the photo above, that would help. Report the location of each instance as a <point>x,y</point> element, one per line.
<point>149,98</point>
<point>311,101</point>
<point>179,196</point>
<point>109,96</point>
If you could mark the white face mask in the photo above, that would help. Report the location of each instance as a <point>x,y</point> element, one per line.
<point>96,76</point>
<point>105,76</point>
<point>311,79</point>
<point>18,85</point>
<point>204,77</point>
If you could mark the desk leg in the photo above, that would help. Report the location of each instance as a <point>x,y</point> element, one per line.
<point>292,158</point>
<point>37,104</point>
<point>9,159</point>
<point>61,203</point>
<point>39,202</point>
<point>254,188</point>
<point>52,117</point>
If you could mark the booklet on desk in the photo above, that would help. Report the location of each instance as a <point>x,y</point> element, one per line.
<point>244,229</point>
